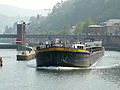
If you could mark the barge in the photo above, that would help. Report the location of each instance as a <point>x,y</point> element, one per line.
<point>76,54</point>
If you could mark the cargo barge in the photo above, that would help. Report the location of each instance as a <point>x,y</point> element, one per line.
<point>77,54</point>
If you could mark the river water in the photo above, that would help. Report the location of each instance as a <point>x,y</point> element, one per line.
<point>23,75</point>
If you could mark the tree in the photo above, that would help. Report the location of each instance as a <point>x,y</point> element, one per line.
<point>87,23</point>
<point>65,27</point>
<point>51,32</point>
<point>79,28</point>
<point>41,33</point>
<point>65,30</point>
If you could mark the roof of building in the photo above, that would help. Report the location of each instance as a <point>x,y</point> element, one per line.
<point>95,26</point>
<point>112,22</point>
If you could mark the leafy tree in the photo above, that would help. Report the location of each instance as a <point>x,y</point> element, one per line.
<point>41,33</point>
<point>79,28</point>
<point>65,30</point>
<point>65,27</point>
<point>87,23</point>
<point>51,32</point>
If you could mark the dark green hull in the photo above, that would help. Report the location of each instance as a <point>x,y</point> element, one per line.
<point>67,58</point>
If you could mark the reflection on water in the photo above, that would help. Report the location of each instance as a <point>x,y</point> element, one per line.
<point>23,75</point>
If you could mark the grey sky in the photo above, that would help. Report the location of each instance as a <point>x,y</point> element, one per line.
<point>31,4</point>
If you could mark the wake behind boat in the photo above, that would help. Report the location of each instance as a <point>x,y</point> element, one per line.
<point>76,54</point>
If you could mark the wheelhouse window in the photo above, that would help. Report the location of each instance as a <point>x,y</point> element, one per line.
<point>80,47</point>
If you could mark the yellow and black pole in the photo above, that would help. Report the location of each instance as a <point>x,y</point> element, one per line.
<point>1,62</point>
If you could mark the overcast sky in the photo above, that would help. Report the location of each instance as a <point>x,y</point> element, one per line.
<point>31,4</point>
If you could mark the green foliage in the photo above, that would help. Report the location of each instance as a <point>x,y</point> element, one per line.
<point>64,32</point>
<point>41,33</point>
<point>89,22</point>
<point>65,27</point>
<point>51,32</point>
<point>79,28</point>
<point>71,12</point>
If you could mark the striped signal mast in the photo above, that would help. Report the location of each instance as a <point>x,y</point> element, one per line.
<point>49,10</point>
<point>21,35</point>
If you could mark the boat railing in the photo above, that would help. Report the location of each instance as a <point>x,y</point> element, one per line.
<point>62,44</point>
<point>54,45</point>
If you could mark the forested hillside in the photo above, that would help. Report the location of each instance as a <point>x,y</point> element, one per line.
<point>72,12</point>
<point>11,14</point>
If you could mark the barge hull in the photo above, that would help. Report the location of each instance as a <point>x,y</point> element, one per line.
<point>67,58</point>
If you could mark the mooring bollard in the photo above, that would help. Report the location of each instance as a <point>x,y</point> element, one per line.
<point>1,62</point>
